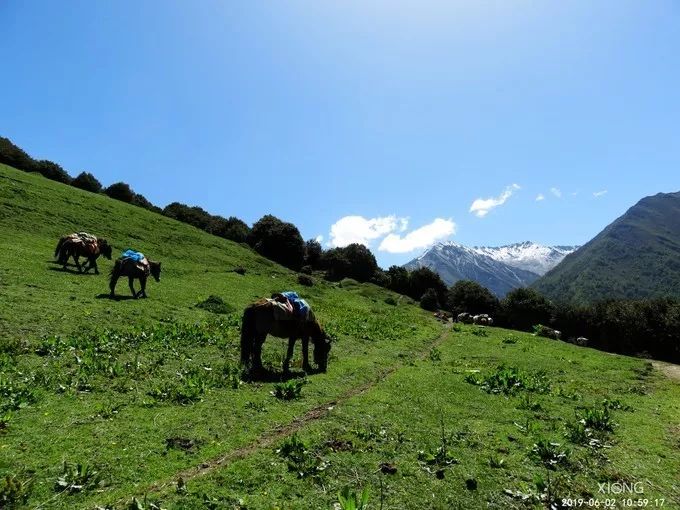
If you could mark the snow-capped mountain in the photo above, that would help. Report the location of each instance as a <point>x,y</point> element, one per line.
<point>500,269</point>
<point>530,256</point>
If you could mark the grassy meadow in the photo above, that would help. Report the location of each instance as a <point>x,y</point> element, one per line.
<point>138,404</point>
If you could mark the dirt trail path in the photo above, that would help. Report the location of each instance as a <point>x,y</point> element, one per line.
<point>669,369</point>
<point>271,437</point>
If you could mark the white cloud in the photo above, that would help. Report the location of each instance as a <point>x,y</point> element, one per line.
<point>598,194</point>
<point>419,238</point>
<point>319,239</point>
<point>540,197</point>
<point>556,192</point>
<point>482,206</point>
<point>357,229</point>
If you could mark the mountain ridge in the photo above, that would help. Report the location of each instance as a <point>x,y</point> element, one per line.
<point>636,256</point>
<point>500,268</point>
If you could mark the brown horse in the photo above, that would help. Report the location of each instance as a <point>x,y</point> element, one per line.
<point>133,269</point>
<point>82,245</point>
<point>260,320</point>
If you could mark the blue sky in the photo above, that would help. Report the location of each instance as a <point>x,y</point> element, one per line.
<point>399,115</point>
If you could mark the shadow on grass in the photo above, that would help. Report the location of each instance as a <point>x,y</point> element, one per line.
<point>117,297</point>
<point>72,270</point>
<point>267,375</point>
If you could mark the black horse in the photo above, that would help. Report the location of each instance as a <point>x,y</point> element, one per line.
<point>134,269</point>
<point>82,245</point>
<point>260,320</point>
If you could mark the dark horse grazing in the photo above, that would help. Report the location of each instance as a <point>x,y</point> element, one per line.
<point>259,320</point>
<point>133,269</point>
<point>82,245</point>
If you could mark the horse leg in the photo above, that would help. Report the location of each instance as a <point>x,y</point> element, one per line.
<point>289,354</point>
<point>142,283</point>
<point>93,264</point>
<point>75,259</point>
<point>257,352</point>
<point>131,279</point>
<point>112,284</point>
<point>305,354</point>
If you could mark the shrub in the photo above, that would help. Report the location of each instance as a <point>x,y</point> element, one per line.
<point>77,478</point>
<point>522,308</point>
<point>52,171</point>
<point>14,491</point>
<point>289,390</point>
<point>549,454</point>
<point>278,241</point>
<point>305,280</point>
<point>216,304</point>
<point>352,261</point>
<point>120,191</point>
<point>429,300</point>
<point>88,182</point>
<point>306,270</point>
<point>313,252</point>
<point>423,279</point>
<point>469,296</point>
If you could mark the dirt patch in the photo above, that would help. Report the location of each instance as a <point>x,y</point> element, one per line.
<point>669,369</point>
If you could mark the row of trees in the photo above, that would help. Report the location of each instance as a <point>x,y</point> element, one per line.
<point>645,326</point>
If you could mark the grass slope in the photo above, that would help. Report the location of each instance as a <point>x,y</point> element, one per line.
<point>634,257</point>
<point>145,394</point>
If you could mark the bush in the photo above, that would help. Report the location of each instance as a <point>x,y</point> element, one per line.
<point>216,304</point>
<point>230,228</point>
<point>52,171</point>
<point>429,300</point>
<point>278,241</point>
<point>88,182</point>
<point>469,296</point>
<point>313,252</point>
<point>352,261</point>
<point>523,307</point>
<point>423,279</point>
<point>120,191</point>
<point>305,280</point>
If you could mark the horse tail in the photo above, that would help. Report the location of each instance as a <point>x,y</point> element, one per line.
<point>247,334</point>
<point>59,245</point>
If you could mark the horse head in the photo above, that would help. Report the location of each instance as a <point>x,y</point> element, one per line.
<point>155,268</point>
<point>105,248</point>
<point>322,347</point>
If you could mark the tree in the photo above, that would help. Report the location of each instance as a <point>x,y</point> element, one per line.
<point>230,228</point>
<point>398,279</point>
<point>424,278</point>
<point>335,263</point>
<point>195,216</point>
<point>469,296</point>
<point>52,171</point>
<point>88,182</point>
<point>523,308</point>
<point>313,252</point>
<point>361,261</point>
<point>14,156</point>
<point>278,240</point>
<point>120,191</point>
<point>429,300</point>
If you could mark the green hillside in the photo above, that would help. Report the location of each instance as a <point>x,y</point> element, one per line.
<point>145,395</point>
<point>637,256</point>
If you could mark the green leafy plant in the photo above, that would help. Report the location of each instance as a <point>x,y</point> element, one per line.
<point>76,477</point>
<point>351,500</point>
<point>510,380</point>
<point>289,390</point>
<point>14,491</point>
<point>301,460</point>
<point>549,454</point>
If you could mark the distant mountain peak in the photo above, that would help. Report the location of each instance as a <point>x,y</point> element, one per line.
<point>499,268</point>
